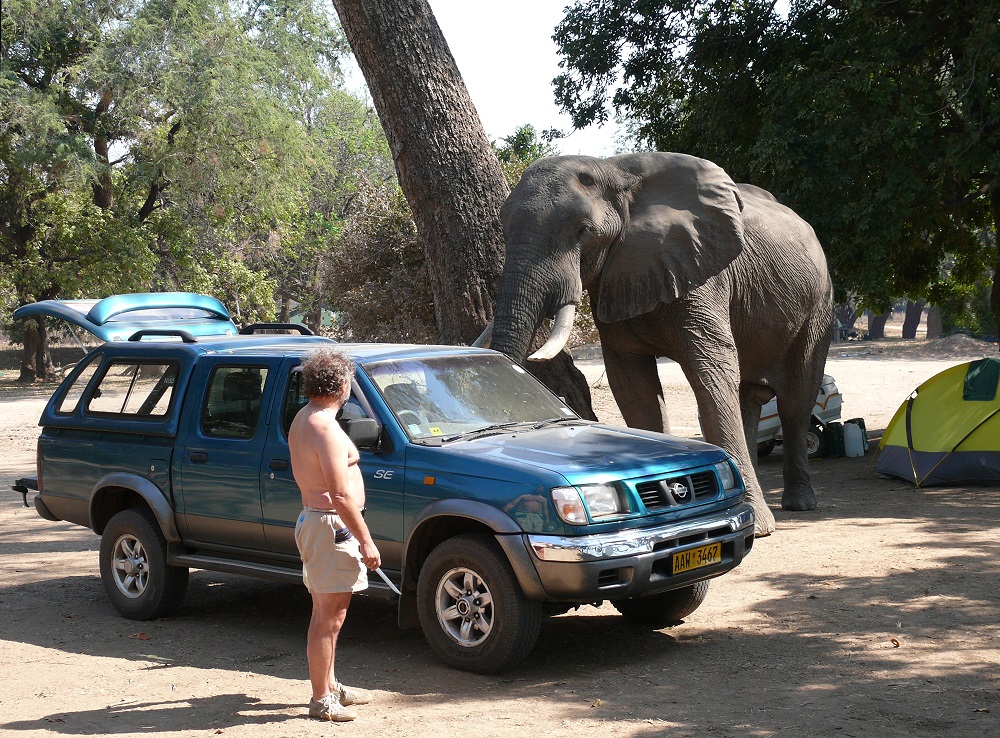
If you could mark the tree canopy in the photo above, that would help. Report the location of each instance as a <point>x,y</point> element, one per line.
<point>196,144</point>
<point>877,120</point>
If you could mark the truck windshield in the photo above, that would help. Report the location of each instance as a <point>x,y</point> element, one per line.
<point>453,396</point>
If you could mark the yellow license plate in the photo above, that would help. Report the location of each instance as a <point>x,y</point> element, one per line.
<point>696,558</point>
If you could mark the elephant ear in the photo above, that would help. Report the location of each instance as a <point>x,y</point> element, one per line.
<point>684,227</point>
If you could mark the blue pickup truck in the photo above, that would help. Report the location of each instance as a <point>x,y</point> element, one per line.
<point>493,504</point>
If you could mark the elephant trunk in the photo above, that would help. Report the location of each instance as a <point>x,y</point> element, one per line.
<point>530,291</point>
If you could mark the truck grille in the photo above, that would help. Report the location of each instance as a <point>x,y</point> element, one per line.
<point>676,491</point>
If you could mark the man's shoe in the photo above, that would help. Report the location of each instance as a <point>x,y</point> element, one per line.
<point>329,708</point>
<point>352,695</point>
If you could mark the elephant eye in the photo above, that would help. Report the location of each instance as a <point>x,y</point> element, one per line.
<point>586,179</point>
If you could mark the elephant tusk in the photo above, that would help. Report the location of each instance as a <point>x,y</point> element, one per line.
<point>559,336</point>
<point>487,335</point>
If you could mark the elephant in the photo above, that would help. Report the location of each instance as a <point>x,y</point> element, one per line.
<point>680,262</point>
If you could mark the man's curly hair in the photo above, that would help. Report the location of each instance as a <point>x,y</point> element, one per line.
<point>325,373</point>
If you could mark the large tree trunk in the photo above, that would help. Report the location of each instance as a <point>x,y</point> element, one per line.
<point>914,311</point>
<point>37,361</point>
<point>995,292</point>
<point>446,166</point>
<point>847,315</point>
<point>934,322</point>
<point>876,324</point>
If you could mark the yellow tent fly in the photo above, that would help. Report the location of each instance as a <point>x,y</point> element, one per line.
<point>948,430</point>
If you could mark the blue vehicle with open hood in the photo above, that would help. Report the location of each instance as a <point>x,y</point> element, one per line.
<point>493,504</point>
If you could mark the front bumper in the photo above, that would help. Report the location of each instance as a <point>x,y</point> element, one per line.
<point>637,562</point>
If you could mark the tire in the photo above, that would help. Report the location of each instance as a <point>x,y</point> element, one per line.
<point>471,608</point>
<point>661,610</point>
<point>134,567</point>
<point>765,448</point>
<point>816,441</point>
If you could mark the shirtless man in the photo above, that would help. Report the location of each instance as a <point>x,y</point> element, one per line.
<point>331,535</point>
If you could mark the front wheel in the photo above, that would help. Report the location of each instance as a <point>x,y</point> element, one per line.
<point>667,608</point>
<point>134,567</point>
<point>472,610</point>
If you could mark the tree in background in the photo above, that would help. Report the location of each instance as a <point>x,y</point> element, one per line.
<point>875,119</point>
<point>447,170</point>
<point>144,145</point>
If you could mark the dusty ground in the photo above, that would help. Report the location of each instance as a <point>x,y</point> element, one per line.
<point>876,615</point>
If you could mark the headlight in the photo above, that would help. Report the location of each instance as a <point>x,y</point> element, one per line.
<point>726,476</point>
<point>601,500</point>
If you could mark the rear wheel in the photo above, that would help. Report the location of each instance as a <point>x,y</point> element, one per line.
<point>134,567</point>
<point>667,608</point>
<point>471,607</point>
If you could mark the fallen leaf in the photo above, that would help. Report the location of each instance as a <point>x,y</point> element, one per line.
<point>895,642</point>
<point>982,709</point>
<point>140,636</point>
<point>597,702</point>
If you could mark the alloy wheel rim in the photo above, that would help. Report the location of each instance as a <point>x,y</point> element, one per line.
<point>130,566</point>
<point>464,606</point>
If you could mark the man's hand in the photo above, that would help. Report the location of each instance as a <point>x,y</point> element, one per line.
<point>370,556</point>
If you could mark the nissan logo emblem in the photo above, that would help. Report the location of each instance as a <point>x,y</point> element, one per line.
<point>678,490</point>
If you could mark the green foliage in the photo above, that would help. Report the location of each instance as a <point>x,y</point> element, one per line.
<point>151,145</point>
<point>378,273</point>
<point>519,150</point>
<point>877,121</point>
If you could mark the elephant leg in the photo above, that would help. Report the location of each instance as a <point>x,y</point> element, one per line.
<point>635,384</point>
<point>752,399</point>
<point>795,410</point>
<point>716,384</point>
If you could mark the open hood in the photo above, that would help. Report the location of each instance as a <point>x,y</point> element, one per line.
<point>118,317</point>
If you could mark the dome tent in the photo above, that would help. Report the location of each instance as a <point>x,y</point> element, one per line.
<point>948,430</point>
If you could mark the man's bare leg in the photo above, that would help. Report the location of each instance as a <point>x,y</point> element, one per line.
<point>328,613</point>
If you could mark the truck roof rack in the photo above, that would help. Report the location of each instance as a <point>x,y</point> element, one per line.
<point>261,327</point>
<point>170,332</point>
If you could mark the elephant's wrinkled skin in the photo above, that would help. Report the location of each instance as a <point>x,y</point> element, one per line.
<point>680,262</point>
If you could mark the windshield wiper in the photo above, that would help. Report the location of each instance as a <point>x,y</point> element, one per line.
<point>488,430</point>
<point>555,421</point>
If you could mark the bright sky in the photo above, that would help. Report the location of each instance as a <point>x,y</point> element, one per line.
<point>508,59</point>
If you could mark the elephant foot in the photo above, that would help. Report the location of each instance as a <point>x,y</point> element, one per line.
<point>798,499</point>
<point>763,519</point>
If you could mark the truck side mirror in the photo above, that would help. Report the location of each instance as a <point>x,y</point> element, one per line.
<point>364,432</point>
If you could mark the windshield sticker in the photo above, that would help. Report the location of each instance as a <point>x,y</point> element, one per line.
<point>518,369</point>
<point>414,429</point>
<point>435,431</point>
<point>566,411</point>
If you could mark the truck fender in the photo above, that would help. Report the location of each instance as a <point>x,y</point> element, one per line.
<point>467,515</point>
<point>148,491</point>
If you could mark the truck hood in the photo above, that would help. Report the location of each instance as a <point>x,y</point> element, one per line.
<point>591,452</point>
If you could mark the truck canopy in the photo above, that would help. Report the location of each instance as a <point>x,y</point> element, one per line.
<point>118,317</point>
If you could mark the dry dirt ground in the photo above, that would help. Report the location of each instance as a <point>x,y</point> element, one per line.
<point>876,615</point>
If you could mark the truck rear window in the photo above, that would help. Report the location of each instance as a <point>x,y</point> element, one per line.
<point>72,397</point>
<point>233,401</point>
<point>134,389</point>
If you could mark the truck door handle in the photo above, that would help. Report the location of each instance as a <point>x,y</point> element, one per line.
<point>198,457</point>
<point>277,465</point>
